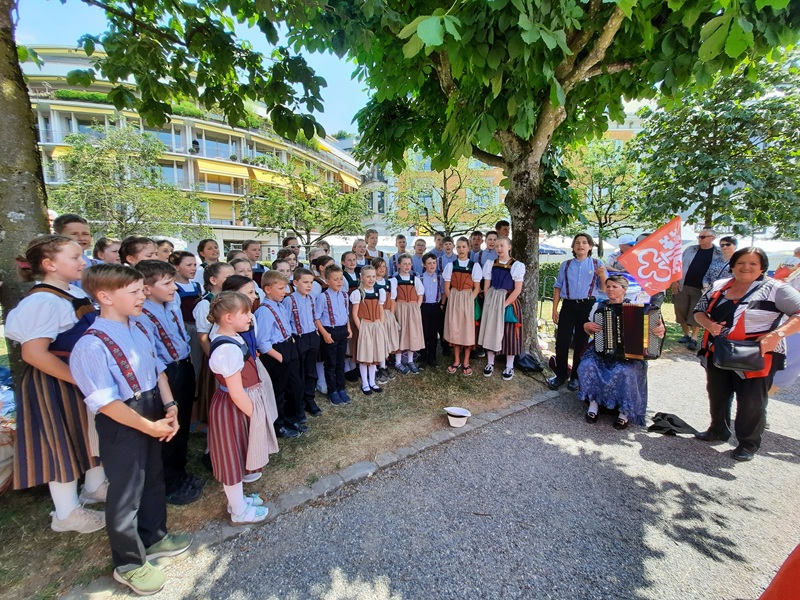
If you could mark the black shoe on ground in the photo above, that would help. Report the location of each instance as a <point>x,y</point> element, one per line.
<point>314,410</point>
<point>195,482</point>
<point>287,432</point>
<point>301,427</point>
<point>742,455</point>
<point>684,340</point>
<point>691,345</point>
<point>573,385</point>
<point>352,375</point>
<point>185,494</point>
<point>554,383</point>
<point>710,436</point>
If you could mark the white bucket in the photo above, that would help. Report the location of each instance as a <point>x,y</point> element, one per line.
<point>457,416</point>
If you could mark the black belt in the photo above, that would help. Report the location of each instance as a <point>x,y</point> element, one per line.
<point>582,300</point>
<point>143,403</point>
<point>334,327</point>
<point>188,359</point>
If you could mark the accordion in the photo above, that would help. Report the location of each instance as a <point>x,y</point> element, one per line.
<point>627,331</point>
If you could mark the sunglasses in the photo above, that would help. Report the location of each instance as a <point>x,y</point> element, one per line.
<point>725,244</point>
<point>702,237</point>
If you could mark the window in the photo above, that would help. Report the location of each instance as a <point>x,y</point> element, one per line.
<point>380,206</point>
<point>86,126</point>
<point>162,135</point>
<point>426,199</point>
<point>217,147</point>
<point>214,183</point>
<point>172,174</point>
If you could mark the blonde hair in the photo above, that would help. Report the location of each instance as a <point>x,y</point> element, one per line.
<point>365,269</point>
<point>226,303</point>
<point>109,277</point>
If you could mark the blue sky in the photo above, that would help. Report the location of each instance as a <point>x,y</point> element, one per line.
<point>48,22</point>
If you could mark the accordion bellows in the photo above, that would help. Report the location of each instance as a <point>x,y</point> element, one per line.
<point>627,331</point>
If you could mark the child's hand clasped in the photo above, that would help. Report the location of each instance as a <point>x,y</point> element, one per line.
<point>165,429</point>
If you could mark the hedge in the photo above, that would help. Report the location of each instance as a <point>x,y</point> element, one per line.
<point>98,97</point>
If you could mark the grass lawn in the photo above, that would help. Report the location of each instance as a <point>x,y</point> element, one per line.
<point>36,562</point>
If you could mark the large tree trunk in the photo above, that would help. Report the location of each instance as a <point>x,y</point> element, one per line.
<point>525,184</point>
<point>23,213</point>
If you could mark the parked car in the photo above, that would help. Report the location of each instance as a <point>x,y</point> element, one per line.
<point>548,249</point>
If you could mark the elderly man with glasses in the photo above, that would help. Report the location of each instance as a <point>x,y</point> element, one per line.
<point>697,261</point>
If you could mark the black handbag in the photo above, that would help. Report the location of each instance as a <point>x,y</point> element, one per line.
<point>737,355</point>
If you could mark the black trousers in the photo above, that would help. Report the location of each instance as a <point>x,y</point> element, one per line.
<point>571,318</point>
<point>752,396</point>
<point>286,383</point>
<point>174,453</point>
<point>333,357</point>
<point>136,505</point>
<point>432,328</point>
<point>307,350</point>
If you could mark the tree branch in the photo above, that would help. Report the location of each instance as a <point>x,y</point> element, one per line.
<point>609,68</point>
<point>488,158</point>
<point>162,33</point>
<point>441,61</point>
<point>598,52</point>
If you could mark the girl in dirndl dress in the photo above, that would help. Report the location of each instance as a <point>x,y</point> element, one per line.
<point>389,320</point>
<point>237,427</point>
<point>501,326</point>
<point>214,276</point>
<point>408,293</point>
<point>367,311</point>
<point>54,428</point>
<point>462,284</point>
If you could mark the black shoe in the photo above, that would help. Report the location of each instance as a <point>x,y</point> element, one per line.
<point>352,375</point>
<point>186,494</point>
<point>620,424</point>
<point>303,420</point>
<point>710,436</point>
<point>591,417</point>
<point>573,385</point>
<point>313,409</point>
<point>286,432</point>
<point>377,389</point>
<point>742,455</point>
<point>554,383</point>
<point>301,427</point>
<point>366,391</point>
<point>195,482</point>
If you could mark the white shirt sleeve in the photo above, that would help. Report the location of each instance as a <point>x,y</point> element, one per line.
<point>447,274</point>
<point>355,297</point>
<point>518,271</point>
<point>41,315</point>
<point>381,296</point>
<point>393,289</point>
<point>477,272</point>
<point>487,269</point>
<point>226,360</point>
<point>200,314</point>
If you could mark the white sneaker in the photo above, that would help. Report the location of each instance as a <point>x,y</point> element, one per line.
<point>251,477</point>
<point>99,495</point>
<point>251,500</point>
<point>251,515</point>
<point>82,520</point>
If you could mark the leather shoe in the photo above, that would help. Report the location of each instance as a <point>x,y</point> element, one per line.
<point>286,432</point>
<point>591,417</point>
<point>554,383</point>
<point>710,436</point>
<point>742,455</point>
<point>573,385</point>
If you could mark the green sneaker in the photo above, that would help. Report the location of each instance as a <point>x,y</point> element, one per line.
<point>171,544</point>
<point>145,581</point>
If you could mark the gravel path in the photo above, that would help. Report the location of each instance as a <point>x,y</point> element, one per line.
<point>536,505</point>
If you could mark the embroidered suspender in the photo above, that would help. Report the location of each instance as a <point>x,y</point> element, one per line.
<point>296,316</point>
<point>119,357</point>
<point>330,307</point>
<point>278,321</point>
<point>566,278</point>
<point>173,354</point>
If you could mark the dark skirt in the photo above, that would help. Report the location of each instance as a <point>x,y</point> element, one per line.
<point>615,384</point>
<point>228,438</point>
<point>52,441</point>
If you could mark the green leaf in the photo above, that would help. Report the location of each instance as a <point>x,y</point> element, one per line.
<point>22,54</point>
<point>626,6</point>
<point>88,46</point>
<point>497,84</point>
<point>451,24</point>
<point>774,4</point>
<point>714,34</point>
<point>549,39</point>
<point>557,96</point>
<point>431,31</point>
<point>412,47</point>
<point>524,22</point>
<point>738,40</point>
<point>411,28</point>
<point>532,36</point>
<point>691,15</point>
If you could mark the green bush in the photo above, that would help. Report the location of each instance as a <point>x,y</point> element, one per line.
<point>82,96</point>
<point>187,109</point>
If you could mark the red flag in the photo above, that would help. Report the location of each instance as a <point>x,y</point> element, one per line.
<point>656,261</point>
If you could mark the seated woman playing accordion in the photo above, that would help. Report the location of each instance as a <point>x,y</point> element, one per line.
<point>612,376</point>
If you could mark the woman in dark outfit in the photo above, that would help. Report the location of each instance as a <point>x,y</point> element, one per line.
<point>746,306</point>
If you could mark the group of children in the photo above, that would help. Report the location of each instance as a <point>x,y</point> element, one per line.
<point>126,352</point>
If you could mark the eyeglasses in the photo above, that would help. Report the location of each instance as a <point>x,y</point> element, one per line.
<point>702,237</point>
<point>725,244</point>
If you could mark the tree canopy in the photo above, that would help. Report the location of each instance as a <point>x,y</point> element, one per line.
<point>511,81</point>
<point>115,181</point>
<point>727,155</point>
<point>300,201</point>
<point>603,183</point>
<point>457,200</point>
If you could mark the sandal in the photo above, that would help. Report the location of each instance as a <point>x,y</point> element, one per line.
<point>251,500</point>
<point>251,516</point>
<point>453,369</point>
<point>620,423</point>
<point>591,417</point>
<point>468,370</point>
